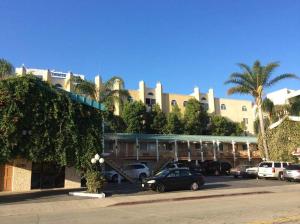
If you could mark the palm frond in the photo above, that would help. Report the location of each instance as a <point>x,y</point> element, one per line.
<point>246,68</point>
<point>239,90</point>
<point>281,77</point>
<point>240,82</point>
<point>268,70</point>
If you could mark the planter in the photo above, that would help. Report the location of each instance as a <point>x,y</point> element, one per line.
<point>86,194</point>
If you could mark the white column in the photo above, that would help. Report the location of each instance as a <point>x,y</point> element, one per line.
<point>157,152</point>
<point>176,151</point>
<point>214,149</point>
<point>137,146</point>
<point>189,151</point>
<point>249,154</point>
<point>201,148</point>
<point>233,152</point>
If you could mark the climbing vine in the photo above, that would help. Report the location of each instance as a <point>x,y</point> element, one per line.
<point>41,123</point>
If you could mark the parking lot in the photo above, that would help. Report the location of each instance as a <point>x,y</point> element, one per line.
<point>128,189</point>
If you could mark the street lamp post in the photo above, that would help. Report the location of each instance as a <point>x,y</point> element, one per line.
<point>98,159</point>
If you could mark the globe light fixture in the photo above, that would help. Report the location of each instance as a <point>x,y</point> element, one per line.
<point>101,160</point>
<point>97,157</point>
<point>93,160</point>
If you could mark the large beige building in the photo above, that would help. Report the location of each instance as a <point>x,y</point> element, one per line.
<point>234,109</point>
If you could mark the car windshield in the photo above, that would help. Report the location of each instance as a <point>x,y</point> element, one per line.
<point>162,173</point>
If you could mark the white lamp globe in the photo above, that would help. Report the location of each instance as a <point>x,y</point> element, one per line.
<point>97,157</point>
<point>93,160</point>
<point>101,160</point>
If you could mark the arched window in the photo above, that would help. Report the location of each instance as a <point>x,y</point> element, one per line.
<point>244,108</point>
<point>203,98</point>
<point>173,102</point>
<point>59,86</point>
<point>223,107</point>
<point>184,103</point>
<point>150,94</point>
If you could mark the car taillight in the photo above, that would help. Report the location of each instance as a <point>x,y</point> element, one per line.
<point>273,170</point>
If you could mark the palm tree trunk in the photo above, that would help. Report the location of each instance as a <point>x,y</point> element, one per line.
<point>262,131</point>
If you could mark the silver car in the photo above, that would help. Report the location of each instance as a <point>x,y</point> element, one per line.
<point>292,172</point>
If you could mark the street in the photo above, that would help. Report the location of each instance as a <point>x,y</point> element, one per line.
<point>271,201</point>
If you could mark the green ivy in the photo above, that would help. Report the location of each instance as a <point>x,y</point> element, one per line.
<point>42,124</point>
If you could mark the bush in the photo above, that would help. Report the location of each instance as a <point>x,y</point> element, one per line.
<point>94,181</point>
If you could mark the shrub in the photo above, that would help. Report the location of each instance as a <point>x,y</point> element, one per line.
<point>94,181</point>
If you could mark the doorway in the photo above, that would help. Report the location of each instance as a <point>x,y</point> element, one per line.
<point>47,175</point>
<point>6,172</point>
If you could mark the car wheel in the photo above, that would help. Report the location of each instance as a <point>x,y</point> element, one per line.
<point>194,186</point>
<point>142,176</point>
<point>114,178</point>
<point>160,188</point>
<point>280,176</point>
<point>235,176</point>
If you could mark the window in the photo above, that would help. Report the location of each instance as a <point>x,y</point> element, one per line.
<point>148,101</point>
<point>244,108</point>
<point>203,98</point>
<point>58,86</point>
<point>221,147</point>
<point>245,120</point>
<point>284,165</point>
<point>150,94</point>
<point>184,103</point>
<point>174,174</point>
<point>223,107</point>
<point>204,106</point>
<point>184,173</point>
<point>266,165</point>
<point>130,99</point>
<point>173,102</point>
<point>277,165</point>
<point>245,147</point>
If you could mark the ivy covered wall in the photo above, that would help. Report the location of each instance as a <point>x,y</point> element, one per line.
<point>282,141</point>
<point>41,123</point>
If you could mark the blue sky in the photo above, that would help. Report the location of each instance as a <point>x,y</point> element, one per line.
<point>182,43</point>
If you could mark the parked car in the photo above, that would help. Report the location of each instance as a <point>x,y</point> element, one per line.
<point>136,171</point>
<point>292,172</point>
<point>174,179</point>
<point>192,167</point>
<point>239,171</point>
<point>252,171</point>
<point>271,169</point>
<point>210,167</point>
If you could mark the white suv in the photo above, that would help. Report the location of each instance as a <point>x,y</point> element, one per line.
<point>135,171</point>
<point>271,169</point>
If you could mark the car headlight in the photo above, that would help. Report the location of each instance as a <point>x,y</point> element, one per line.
<point>151,181</point>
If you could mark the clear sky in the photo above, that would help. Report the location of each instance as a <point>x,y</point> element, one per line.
<point>182,43</point>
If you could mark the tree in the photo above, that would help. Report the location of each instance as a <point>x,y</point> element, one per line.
<point>174,123</point>
<point>268,107</point>
<point>295,107</point>
<point>106,93</point>
<point>253,81</point>
<point>195,118</point>
<point>134,115</point>
<point>42,124</point>
<point>221,126</point>
<point>6,68</point>
<point>157,120</point>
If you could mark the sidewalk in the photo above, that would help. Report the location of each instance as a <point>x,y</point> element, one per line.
<point>57,206</point>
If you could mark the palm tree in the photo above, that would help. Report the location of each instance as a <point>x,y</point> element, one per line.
<point>106,93</point>
<point>253,81</point>
<point>6,68</point>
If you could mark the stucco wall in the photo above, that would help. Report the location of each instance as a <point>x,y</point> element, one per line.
<point>21,180</point>
<point>72,178</point>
